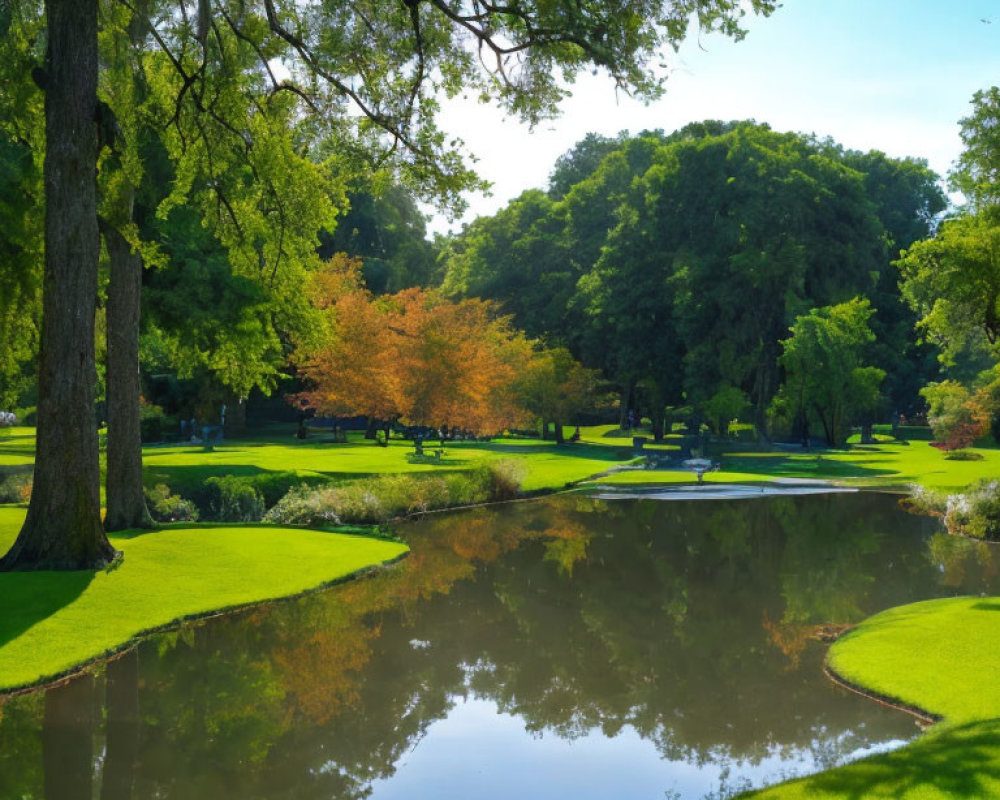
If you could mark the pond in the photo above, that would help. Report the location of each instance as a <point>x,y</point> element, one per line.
<point>572,647</point>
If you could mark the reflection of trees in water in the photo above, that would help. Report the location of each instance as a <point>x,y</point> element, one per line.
<point>970,565</point>
<point>661,630</point>
<point>659,616</point>
<point>21,746</point>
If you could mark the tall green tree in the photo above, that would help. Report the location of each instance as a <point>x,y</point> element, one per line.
<point>555,388</point>
<point>580,162</point>
<point>22,147</point>
<point>519,258</point>
<point>387,61</point>
<point>727,237</point>
<point>953,282</point>
<point>977,172</point>
<point>389,233</point>
<point>825,374</point>
<point>63,527</point>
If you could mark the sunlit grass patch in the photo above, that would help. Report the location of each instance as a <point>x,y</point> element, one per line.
<point>943,657</point>
<point>53,621</point>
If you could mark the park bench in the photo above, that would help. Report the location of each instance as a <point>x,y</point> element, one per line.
<point>418,450</point>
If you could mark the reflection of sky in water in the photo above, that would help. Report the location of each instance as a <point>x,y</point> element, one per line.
<point>477,752</point>
<point>721,491</point>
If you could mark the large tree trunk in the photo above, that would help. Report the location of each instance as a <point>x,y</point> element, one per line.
<point>126,502</point>
<point>63,527</point>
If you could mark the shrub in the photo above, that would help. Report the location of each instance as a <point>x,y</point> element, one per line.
<point>272,486</point>
<point>152,422</point>
<point>963,455</point>
<point>303,505</point>
<point>15,488</point>
<point>235,500</point>
<point>167,507</point>
<point>952,415</point>
<point>497,481</point>
<point>976,513</point>
<point>26,416</point>
<point>375,500</point>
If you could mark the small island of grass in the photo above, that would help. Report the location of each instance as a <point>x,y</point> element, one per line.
<point>940,656</point>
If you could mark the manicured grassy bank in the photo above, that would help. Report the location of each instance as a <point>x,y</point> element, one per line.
<point>942,656</point>
<point>545,466</point>
<point>889,465</point>
<point>17,447</point>
<point>51,622</point>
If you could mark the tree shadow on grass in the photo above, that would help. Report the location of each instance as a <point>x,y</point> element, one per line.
<point>195,474</point>
<point>962,762</point>
<point>802,466</point>
<point>27,598</point>
<point>596,452</point>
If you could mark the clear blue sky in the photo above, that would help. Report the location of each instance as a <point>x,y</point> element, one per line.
<point>891,75</point>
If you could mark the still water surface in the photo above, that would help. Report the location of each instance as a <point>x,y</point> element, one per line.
<point>564,648</point>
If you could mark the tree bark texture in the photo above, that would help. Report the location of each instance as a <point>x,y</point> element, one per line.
<point>63,527</point>
<point>126,502</point>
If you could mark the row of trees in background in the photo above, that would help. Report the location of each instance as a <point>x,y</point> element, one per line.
<point>679,263</point>
<point>197,79</point>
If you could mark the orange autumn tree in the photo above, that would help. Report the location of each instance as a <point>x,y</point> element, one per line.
<point>347,362</point>
<point>413,356</point>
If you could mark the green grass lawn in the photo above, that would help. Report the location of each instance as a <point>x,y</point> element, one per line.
<point>545,465</point>
<point>17,447</point>
<point>51,622</point>
<point>942,656</point>
<point>873,466</point>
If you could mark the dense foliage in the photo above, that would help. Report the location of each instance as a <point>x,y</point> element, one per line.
<point>679,263</point>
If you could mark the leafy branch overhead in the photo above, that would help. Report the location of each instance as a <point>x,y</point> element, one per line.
<point>370,74</point>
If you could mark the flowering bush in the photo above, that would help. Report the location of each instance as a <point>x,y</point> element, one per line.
<point>375,500</point>
<point>15,488</point>
<point>974,513</point>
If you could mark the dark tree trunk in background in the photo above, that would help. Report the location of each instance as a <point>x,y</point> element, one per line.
<point>624,404</point>
<point>126,502</point>
<point>557,432</point>
<point>63,527</point>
